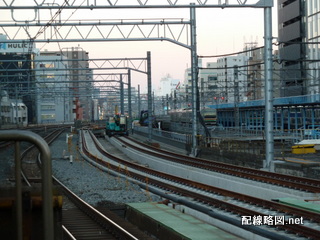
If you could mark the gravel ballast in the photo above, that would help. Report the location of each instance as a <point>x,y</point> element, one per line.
<point>91,184</point>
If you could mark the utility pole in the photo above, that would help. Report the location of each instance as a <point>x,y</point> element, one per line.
<point>153,104</point>
<point>149,96</point>
<point>121,95</point>
<point>268,88</point>
<point>194,85</point>
<point>129,98</point>
<point>236,96</point>
<point>139,101</point>
<point>167,104</point>
<point>174,99</point>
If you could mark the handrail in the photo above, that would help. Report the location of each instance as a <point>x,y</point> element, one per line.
<point>46,174</point>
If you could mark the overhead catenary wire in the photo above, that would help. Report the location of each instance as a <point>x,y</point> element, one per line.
<point>231,54</point>
<point>53,18</point>
<point>57,30</point>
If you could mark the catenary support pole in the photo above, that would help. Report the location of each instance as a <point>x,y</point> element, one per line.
<point>268,88</point>
<point>149,96</point>
<point>194,79</point>
<point>129,99</point>
<point>121,95</point>
<point>139,100</point>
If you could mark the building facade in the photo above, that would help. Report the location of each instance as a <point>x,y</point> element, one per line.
<point>313,46</point>
<point>232,78</point>
<point>17,72</point>
<point>53,98</point>
<point>208,84</point>
<point>81,81</point>
<point>299,34</point>
<point>167,85</point>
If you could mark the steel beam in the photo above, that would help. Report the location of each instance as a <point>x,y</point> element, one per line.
<point>118,4</point>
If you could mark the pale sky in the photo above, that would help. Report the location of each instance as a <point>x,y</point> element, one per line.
<point>219,31</point>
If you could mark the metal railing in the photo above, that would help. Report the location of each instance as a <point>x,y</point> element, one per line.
<point>313,132</point>
<point>179,137</point>
<point>218,133</point>
<point>46,172</point>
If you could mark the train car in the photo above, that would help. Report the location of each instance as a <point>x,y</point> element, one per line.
<point>209,116</point>
<point>185,116</point>
<point>117,125</point>
<point>182,120</point>
<point>13,112</point>
<point>181,115</point>
<point>144,119</point>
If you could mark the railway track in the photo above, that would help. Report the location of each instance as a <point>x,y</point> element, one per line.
<point>298,183</point>
<point>82,221</point>
<point>181,190</point>
<point>30,157</point>
<point>79,219</point>
<point>39,129</point>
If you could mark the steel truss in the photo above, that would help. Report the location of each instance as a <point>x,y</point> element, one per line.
<point>59,29</point>
<point>101,68</point>
<point>93,4</point>
<point>102,78</point>
<point>80,31</point>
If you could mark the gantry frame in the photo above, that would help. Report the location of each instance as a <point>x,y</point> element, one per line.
<point>52,31</point>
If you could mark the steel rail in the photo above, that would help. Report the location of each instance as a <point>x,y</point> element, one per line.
<point>248,199</point>
<point>304,184</point>
<point>106,223</point>
<point>98,217</point>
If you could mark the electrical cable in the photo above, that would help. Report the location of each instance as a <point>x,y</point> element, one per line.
<point>231,54</point>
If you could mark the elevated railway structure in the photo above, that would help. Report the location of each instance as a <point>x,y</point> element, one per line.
<point>64,214</point>
<point>80,220</point>
<point>155,174</point>
<point>242,148</point>
<point>197,190</point>
<point>46,190</point>
<point>298,114</point>
<point>39,29</point>
<point>304,184</point>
